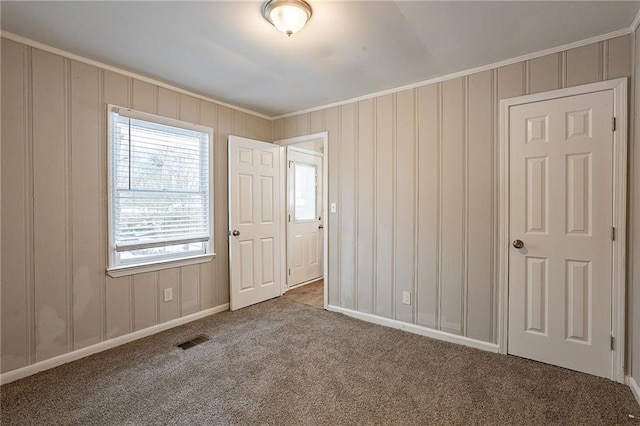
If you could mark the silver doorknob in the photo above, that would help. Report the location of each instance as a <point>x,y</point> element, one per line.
<point>518,244</point>
<point>235,233</point>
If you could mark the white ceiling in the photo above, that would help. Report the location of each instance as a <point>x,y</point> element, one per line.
<point>227,51</point>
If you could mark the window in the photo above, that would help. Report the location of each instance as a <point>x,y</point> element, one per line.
<point>305,188</point>
<point>159,183</point>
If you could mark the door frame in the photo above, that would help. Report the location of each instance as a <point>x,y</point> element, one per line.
<point>618,278</point>
<point>287,151</point>
<point>324,136</point>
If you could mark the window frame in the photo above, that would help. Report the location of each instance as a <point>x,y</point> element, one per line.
<point>115,269</point>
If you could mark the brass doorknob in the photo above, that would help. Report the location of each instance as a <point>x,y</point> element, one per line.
<point>518,244</point>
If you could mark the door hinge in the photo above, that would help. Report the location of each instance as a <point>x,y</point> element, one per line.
<point>289,271</point>
<point>613,124</point>
<point>613,233</point>
<point>289,218</point>
<point>612,343</point>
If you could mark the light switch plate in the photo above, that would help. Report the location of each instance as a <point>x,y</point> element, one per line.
<point>334,208</point>
<point>168,294</point>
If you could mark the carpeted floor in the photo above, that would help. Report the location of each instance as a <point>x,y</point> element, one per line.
<point>281,362</point>
<point>310,294</point>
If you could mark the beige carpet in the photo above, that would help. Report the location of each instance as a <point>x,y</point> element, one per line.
<point>311,294</point>
<point>282,362</point>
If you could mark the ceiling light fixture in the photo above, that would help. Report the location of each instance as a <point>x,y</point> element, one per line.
<point>288,16</point>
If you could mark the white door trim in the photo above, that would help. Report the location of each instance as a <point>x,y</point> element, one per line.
<point>619,90</point>
<point>324,136</point>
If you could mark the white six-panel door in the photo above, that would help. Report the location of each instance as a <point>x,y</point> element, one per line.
<point>254,221</point>
<point>561,184</point>
<point>304,221</point>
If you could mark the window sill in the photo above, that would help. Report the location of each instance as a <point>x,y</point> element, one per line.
<point>123,271</point>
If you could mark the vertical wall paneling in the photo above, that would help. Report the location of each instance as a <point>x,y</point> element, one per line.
<point>189,109</point>
<point>189,288</point>
<point>510,81</point>
<point>544,73</point>
<point>168,278</point>
<point>102,203</point>
<point>348,212</point>
<point>428,205</point>
<point>253,128</point>
<point>56,296</point>
<point>278,130</point>
<point>405,204</point>
<point>453,199</point>
<point>618,59</point>
<point>584,64</point>
<point>365,181</point>
<point>116,92</point>
<point>239,124</point>
<point>168,103</point>
<point>118,292</point>
<point>208,272</point>
<point>118,302</point>
<point>266,130</point>
<point>208,284</point>
<point>145,296</point>
<point>384,208</point>
<point>87,267</point>
<point>221,206</point>
<point>303,125</point>
<point>16,205</point>
<point>455,182</point>
<point>144,96</point>
<point>480,206</point>
<point>68,201</point>
<point>50,205</point>
<point>316,122</point>
<point>634,331</point>
<point>333,129</point>
<point>290,127</point>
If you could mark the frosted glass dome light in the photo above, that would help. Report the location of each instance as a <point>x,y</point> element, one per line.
<point>288,16</point>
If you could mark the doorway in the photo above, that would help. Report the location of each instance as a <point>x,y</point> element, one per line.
<point>304,188</point>
<point>304,216</point>
<point>563,226</point>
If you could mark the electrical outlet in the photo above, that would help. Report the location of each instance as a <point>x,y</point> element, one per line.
<point>168,294</point>
<point>406,298</point>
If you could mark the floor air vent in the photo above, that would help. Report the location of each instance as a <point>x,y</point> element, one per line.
<point>193,342</point>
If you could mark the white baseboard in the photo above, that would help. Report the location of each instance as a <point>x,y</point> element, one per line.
<point>13,375</point>
<point>635,389</point>
<point>417,329</point>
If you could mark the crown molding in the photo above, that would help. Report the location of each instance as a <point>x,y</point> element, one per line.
<point>522,58</point>
<point>451,76</point>
<point>78,58</point>
<point>635,23</point>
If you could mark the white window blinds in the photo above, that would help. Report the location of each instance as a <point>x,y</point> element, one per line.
<point>160,188</point>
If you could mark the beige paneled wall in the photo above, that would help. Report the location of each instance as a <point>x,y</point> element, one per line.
<point>56,297</point>
<point>634,269</point>
<point>414,176</point>
<point>413,173</point>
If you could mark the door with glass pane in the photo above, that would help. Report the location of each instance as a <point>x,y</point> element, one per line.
<point>304,216</point>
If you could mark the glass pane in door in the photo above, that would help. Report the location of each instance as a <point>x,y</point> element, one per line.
<point>305,191</point>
